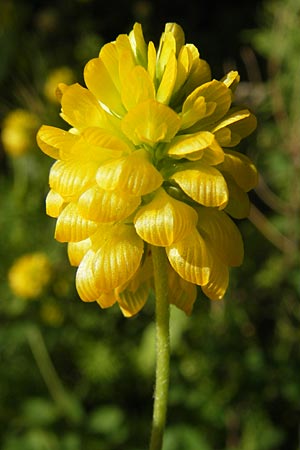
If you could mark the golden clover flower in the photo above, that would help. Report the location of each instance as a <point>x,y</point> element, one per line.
<point>18,131</point>
<point>149,160</point>
<point>29,275</point>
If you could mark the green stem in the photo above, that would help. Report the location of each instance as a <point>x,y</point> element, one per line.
<point>162,347</point>
<point>50,376</point>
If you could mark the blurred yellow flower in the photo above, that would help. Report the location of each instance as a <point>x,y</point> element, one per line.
<point>59,75</point>
<point>29,275</point>
<point>18,132</point>
<point>148,160</point>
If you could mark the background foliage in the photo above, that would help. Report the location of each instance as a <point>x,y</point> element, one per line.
<point>75,377</point>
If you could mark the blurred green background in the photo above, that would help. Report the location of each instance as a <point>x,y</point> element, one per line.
<point>75,377</point>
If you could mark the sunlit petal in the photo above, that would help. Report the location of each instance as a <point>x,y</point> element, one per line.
<point>134,175</point>
<point>218,281</point>
<point>192,146</point>
<point>118,256</point>
<point>72,227</point>
<point>86,283</point>
<point>54,203</point>
<point>139,89</point>
<point>204,184</point>
<point>164,220</point>
<point>77,250</point>
<point>52,139</point>
<point>100,83</point>
<point>138,44</point>
<point>70,179</point>
<point>190,258</point>
<point>81,109</point>
<point>150,122</point>
<point>101,205</point>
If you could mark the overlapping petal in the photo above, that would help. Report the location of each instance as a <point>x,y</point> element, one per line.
<point>241,168</point>
<point>77,250</point>
<point>99,82</point>
<point>204,184</point>
<point>164,220</point>
<point>72,227</point>
<point>190,258</point>
<point>238,205</point>
<point>181,293</point>
<point>217,99</point>
<point>70,179</point>
<point>150,122</point>
<point>54,203</point>
<point>51,140</point>
<point>138,88</point>
<point>223,235</point>
<point>102,205</point>
<point>218,281</point>
<point>193,146</point>
<point>133,174</point>
<point>81,109</point>
<point>118,256</point>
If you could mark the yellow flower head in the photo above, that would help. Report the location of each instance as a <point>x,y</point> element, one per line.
<point>29,275</point>
<point>149,160</point>
<point>18,131</point>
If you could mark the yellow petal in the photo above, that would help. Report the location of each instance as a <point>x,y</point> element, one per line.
<point>52,139</point>
<point>192,146</point>
<point>167,47</point>
<point>106,299</point>
<point>54,203</point>
<point>224,236</point>
<point>240,122</point>
<point>138,88</point>
<point>184,63</point>
<point>86,283</point>
<point>70,178</point>
<point>164,220</point>
<point>77,250</point>
<point>199,73</point>
<point>190,258</point>
<point>194,109</point>
<point>150,122</point>
<point>204,184</point>
<point>241,169</point>
<point>132,301</point>
<point>118,256</point>
<point>138,44</point>
<point>133,174</point>
<point>106,206</point>
<point>215,94</point>
<point>100,83</point>
<point>165,90</point>
<point>81,109</point>
<point>238,205</point>
<point>105,140</point>
<point>109,55</point>
<point>231,79</point>
<point>218,282</point>
<point>181,293</point>
<point>71,227</point>
<point>151,67</point>
<point>178,34</point>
